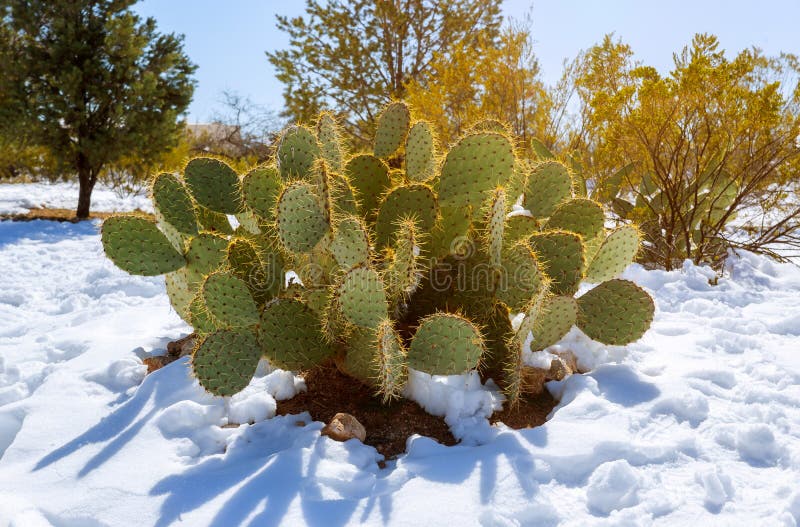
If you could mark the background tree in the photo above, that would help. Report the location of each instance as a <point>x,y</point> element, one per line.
<point>353,56</point>
<point>501,82</point>
<point>713,143</point>
<point>92,83</point>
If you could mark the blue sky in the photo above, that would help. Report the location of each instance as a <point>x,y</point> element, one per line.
<point>227,39</point>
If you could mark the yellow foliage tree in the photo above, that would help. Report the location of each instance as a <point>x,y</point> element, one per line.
<point>501,81</point>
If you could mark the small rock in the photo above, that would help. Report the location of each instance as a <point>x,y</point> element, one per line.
<point>559,369</point>
<point>343,427</point>
<point>155,363</point>
<point>182,347</point>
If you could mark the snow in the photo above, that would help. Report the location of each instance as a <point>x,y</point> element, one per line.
<point>697,423</point>
<point>20,198</point>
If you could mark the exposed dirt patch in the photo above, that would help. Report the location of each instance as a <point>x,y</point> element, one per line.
<point>531,411</point>
<point>388,426</point>
<point>56,215</point>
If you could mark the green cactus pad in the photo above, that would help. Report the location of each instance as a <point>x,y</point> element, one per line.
<point>541,151</point>
<point>206,254</point>
<point>229,301</point>
<point>514,369</point>
<point>174,203</point>
<point>616,312</point>
<point>200,318</point>
<point>519,227</point>
<point>213,221</point>
<point>475,166</point>
<point>302,221</point>
<point>342,195</point>
<point>521,277</point>
<point>290,335</point>
<point>249,224</point>
<point>392,129</point>
<point>260,190</point>
<point>361,297</point>
<point>328,138</point>
<point>358,361</point>
<point>548,185</point>
<point>490,125</point>
<point>495,227</point>
<point>558,315</point>
<point>409,201</point>
<point>179,293</point>
<point>377,358</point>
<point>420,157</point>
<point>390,362</point>
<point>497,333</point>
<point>263,276</point>
<point>297,152</point>
<point>225,361</point>
<point>580,215</point>
<point>369,177</point>
<point>451,234</point>
<point>445,344</point>
<point>214,184</point>
<point>136,246</point>
<point>350,245</point>
<point>561,256</point>
<point>403,271</point>
<point>617,252</point>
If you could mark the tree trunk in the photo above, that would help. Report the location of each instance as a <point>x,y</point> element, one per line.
<point>86,179</point>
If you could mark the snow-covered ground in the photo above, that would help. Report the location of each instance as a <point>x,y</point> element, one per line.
<point>22,197</point>
<point>696,424</point>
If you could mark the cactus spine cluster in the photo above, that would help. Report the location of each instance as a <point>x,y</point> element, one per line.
<point>418,268</point>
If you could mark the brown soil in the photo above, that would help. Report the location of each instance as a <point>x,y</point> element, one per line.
<point>531,411</point>
<point>388,426</point>
<point>54,215</point>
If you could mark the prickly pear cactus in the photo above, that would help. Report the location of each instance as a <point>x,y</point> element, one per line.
<point>419,266</point>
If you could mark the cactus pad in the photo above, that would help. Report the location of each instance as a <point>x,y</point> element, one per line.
<point>297,152</point>
<point>200,318</point>
<point>137,246</point>
<point>328,138</point>
<point>519,227</point>
<point>350,244</point>
<point>556,318</point>
<point>580,215</point>
<point>369,177</point>
<point>213,221</point>
<point>361,297</point>
<point>290,335</point>
<point>548,185</point>
<point>302,220</point>
<point>213,184</point>
<point>617,252</point>
<point>562,259</point>
<point>445,344</point>
<point>420,160</point>
<point>521,277</point>
<point>616,312</point>
<point>409,201</point>
<point>495,227</point>
<point>229,301</point>
<point>474,167</point>
<point>541,151</point>
<point>260,190</point>
<point>225,361</point>
<point>392,129</point>
<point>402,274</point>
<point>174,203</point>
